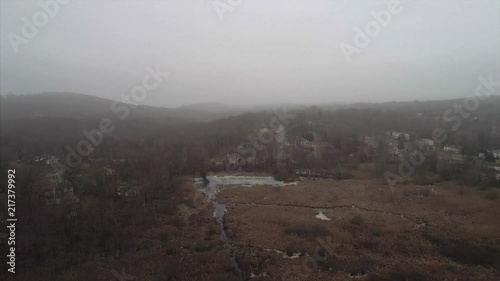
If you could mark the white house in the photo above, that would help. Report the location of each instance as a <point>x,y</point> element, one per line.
<point>233,158</point>
<point>301,141</point>
<point>496,153</point>
<point>396,135</point>
<point>47,159</point>
<point>424,142</point>
<point>452,148</point>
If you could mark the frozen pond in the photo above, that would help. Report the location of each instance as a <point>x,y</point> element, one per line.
<point>216,183</point>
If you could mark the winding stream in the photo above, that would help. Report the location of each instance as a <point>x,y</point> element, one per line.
<point>214,185</point>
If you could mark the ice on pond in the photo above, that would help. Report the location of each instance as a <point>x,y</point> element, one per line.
<point>216,183</point>
<point>322,215</point>
<point>244,180</point>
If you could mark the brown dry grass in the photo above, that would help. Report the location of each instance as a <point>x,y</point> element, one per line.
<point>376,234</point>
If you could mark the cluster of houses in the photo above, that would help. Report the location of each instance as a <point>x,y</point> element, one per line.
<point>399,144</point>
<point>452,149</point>
<point>46,159</point>
<point>129,190</point>
<point>394,143</point>
<point>61,192</point>
<point>495,153</point>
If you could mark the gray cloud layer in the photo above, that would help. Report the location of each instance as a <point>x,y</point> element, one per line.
<point>262,52</point>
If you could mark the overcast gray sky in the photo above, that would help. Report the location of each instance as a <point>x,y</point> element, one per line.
<point>262,52</point>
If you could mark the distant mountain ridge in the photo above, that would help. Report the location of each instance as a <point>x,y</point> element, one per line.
<point>81,106</point>
<point>209,107</point>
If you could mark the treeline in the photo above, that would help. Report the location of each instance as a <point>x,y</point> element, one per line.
<point>59,236</point>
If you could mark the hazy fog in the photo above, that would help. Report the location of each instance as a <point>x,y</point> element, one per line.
<point>261,52</point>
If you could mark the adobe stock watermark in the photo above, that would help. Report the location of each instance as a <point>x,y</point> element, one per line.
<point>94,137</point>
<point>453,117</point>
<point>40,19</point>
<point>222,7</point>
<point>363,37</point>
